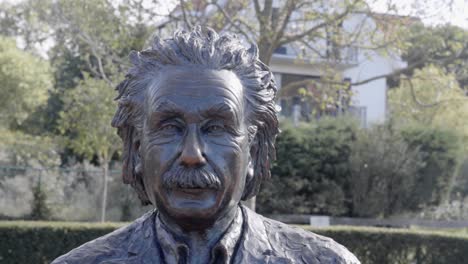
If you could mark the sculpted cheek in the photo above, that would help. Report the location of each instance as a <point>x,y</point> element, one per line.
<point>235,143</point>
<point>160,157</point>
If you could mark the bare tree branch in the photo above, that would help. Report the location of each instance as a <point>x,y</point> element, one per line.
<point>257,7</point>
<point>84,37</point>
<point>309,46</point>
<point>412,66</point>
<point>323,24</point>
<point>290,7</point>
<point>415,98</point>
<point>91,66</point>
<point>230,20</point>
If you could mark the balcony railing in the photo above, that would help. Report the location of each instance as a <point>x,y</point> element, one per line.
<point>345,55</point>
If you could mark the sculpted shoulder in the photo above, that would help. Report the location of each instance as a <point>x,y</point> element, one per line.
<point>112,246</point>
<point>306,247</point>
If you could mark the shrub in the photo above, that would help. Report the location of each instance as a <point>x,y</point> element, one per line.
<point>383,170</point>
<point>41,242</point>
<point>396,170</point>
<point>332,167</point>
<point>440,150</point>
<point>310,173</point>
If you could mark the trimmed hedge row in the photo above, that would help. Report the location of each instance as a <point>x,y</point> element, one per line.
<point>402,246</point>
<point>27,242</point>
<point>41,242</point>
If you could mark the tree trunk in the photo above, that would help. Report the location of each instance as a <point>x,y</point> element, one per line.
<point>265,51</point>
<point>104,189</point>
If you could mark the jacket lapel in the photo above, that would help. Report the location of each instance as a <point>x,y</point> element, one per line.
<point>143,246</point>
<point>254,245</point>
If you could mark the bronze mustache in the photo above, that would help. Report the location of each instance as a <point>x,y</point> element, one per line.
<point>191,178</point>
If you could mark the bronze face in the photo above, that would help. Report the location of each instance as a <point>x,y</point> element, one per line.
<point>195,147</point>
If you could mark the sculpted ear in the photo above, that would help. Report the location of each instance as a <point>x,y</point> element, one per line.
<point>251,188</point>
<point>131,162</point>
<point>262,152</point>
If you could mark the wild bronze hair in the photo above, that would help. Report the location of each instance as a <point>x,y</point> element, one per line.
<point>202,47</point>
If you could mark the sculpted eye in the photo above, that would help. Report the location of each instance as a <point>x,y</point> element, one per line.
<point>214,128</point>
<point>170,128</point>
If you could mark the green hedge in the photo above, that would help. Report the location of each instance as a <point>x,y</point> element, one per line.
<point>400,246</point>
<point>23,242</point>
<point>41,242</point>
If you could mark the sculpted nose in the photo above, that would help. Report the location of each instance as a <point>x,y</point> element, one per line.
<point>192,153</point>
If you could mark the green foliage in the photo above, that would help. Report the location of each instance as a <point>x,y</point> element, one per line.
<point>440,151</point>
<point>377,245</point>
<point>22,149</point>
<point>395,170</point>
<point>41,242</point>
<point>382,172</point>
<point>332,167</point>
<point>310,174</point>
<point>443,45</point>
<point>431,98</point>
<point>90,37</point>
<point>93,36</point>
<point>86,117</point>
<point>25,81</point>
<point>104,27</point>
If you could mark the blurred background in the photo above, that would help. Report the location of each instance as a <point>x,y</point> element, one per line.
<point>372,103</point>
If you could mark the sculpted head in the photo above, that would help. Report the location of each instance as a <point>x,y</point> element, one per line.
<point>197,117</point>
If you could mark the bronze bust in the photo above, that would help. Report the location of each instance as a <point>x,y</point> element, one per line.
<point>197,117</point>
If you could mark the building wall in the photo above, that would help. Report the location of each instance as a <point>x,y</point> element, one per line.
<point>372,95</point>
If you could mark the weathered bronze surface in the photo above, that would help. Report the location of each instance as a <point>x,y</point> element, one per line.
<point>197,117</point>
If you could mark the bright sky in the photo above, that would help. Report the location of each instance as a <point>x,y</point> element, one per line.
<point>430,11</point>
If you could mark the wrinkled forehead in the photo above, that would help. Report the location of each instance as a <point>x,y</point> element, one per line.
<point>196,87</point>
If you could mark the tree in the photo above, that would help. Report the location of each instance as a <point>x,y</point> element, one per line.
<point>25,81</point>
<point>85,123</point>
<point>92,36</point>
<point>431,97</point>
<point>316,30</point>
<point>383,169</point>
<point>444,46</point>
<point>441,152</point>
<point>22,149</point>
<point>311,173</point>
<point>25,84</point>
<point>271,24</point>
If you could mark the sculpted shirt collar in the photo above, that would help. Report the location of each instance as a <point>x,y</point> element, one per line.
<point>176,251</point>
<point>145,245</point>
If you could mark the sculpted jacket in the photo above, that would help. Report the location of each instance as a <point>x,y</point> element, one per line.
<point>262,240</point>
